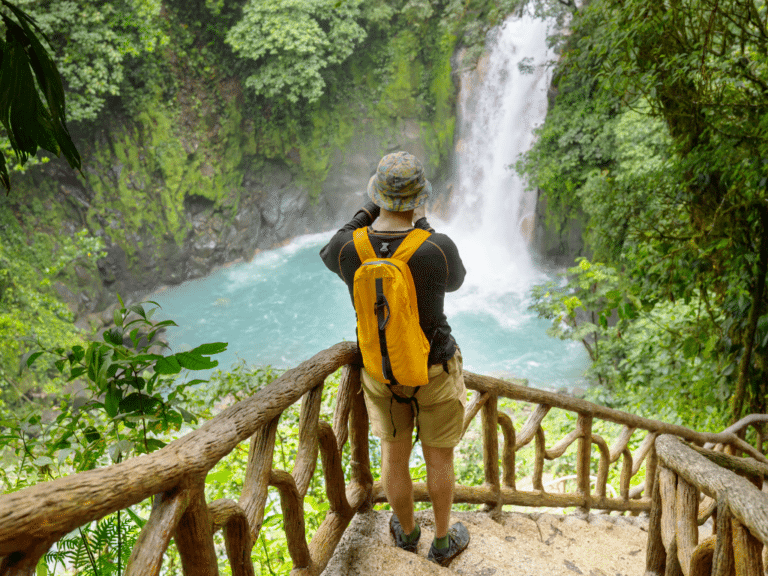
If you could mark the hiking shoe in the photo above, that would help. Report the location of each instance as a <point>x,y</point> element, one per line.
<point>399,535</point>
<point>459,541</point>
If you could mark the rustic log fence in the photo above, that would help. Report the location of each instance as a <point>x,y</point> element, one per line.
<point>694,484</point>
<point>32,520</point>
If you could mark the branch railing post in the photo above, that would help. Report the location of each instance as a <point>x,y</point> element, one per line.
<point>490,420</point>
<point>343,405</point>
<point>147,554</point>
<point>359,493</point>
<point>306,455</point>
<point>291,503</point>
<point>194,534</point>
<point>539,457</point>
<point>722,562</point>
<point>687,529</point>
<point>253,496</point>
<point>740,522</point>
<point>584,457</point>
<point>508,453</point>
<point>656,554</point>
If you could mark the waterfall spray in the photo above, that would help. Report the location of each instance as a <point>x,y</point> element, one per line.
<point>501,102</point>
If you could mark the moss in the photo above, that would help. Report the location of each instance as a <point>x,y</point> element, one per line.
<point>439,133</point>
<point>145,173</point>
<point>400,96</point>
<point>315,150</point>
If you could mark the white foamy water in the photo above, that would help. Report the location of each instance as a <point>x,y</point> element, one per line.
<point>285,306</point>
<point>492,208</point>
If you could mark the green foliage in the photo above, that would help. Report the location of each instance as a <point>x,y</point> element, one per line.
<point>26,72</point>
<point>29,307</point>
<point>701,66</point>
<point>659,359</point>
<point>92,41</point>
<point>578,137</point>
<point>440,101</point>
<point>655,140</point>
<point>291,43</point>
<point>663,365</point>
<point>637,191</point>
<point>404,73</point>
<point>594,289</point>
<point>98,548</point>
<point>125,399</point>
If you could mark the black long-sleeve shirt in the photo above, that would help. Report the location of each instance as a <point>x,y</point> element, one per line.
<point>436,268</point>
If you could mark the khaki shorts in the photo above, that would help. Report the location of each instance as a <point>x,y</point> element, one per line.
<point>441,406</point>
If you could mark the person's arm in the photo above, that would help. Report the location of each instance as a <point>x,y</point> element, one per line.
<point>456,270</point>
<point>362,218</point>
<point>365,216</point>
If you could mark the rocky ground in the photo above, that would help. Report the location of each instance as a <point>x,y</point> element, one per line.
<point>520,544</point>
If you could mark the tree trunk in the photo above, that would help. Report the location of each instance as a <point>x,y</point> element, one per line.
<point>737,404</point>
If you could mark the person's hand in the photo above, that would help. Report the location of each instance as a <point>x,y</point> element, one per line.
<point>419,212</point>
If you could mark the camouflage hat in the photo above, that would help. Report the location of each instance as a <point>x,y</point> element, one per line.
<point>399,183</point>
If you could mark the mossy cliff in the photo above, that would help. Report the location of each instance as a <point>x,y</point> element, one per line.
<point>199,176</point>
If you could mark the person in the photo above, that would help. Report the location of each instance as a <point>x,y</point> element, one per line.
<point>398,193</point>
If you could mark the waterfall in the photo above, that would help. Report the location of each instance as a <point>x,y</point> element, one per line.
<point>492,213</point>
<point>284,306</point>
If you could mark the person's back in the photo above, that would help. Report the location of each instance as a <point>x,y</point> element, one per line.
<point>436,269</point>
<point>398,192</point>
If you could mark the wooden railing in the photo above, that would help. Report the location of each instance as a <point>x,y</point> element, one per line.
<point>694,484</point>
<point>32,520</point>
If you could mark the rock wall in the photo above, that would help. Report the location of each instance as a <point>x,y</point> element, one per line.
<point>557,240</point>
<point>269,203</point>
<point>180,185</point>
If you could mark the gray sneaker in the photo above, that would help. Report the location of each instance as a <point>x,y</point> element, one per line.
<point>397,533</point>
<point>459,540</point>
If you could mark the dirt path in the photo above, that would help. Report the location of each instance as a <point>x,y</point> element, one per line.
<point>522,544</point>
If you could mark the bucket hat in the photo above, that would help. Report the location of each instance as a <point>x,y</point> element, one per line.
<point>399,183</point>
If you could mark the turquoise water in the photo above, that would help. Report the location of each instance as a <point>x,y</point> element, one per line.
<point>284,306</point>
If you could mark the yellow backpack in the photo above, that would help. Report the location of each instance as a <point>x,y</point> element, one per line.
<point>393,345</point>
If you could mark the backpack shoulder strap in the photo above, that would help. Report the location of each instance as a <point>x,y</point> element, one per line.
<point>363,244</point>
<point>410,244</point>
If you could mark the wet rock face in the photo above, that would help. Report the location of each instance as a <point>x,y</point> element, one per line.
<point>213,240</point>
<point>557,239</point>
<point>273,205</point>
<point>283,206</point>
<point>273,208</point>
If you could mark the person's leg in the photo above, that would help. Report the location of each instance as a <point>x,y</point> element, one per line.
<point>396,479</point>
<point>440,485</point>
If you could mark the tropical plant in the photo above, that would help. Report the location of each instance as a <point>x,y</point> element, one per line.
<point>657,358</point>
<point>26,72</point>
<point>31,266</point>
<point>127,400</point>
<point>292,41</point>
<point>655,141</point>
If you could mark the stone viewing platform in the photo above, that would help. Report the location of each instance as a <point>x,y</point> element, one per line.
<point>519,544</point>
